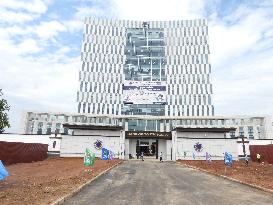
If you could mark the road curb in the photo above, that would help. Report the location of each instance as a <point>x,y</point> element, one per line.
<point>61,200</point>
<point>229,178</point>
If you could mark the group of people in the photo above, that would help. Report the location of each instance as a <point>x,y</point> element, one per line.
<point>160,156</point>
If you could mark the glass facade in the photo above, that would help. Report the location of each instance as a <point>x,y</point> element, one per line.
<point>145,61</point>
<point>145,55</point>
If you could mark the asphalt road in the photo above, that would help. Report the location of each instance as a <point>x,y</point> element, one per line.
<point>136,182</point>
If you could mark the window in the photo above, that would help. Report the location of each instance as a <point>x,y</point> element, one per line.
<point>66,131</point>
<point>232,134</point>
<point>250,132</point>
<point>48,129</point>
<point>241,131</point>
<point>58,127</point>
<point>40,128</point>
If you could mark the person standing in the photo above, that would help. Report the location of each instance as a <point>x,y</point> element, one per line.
<point>142,156</point>
<point>258,156</point>
<point>160,157</point>
<point>246,160</point>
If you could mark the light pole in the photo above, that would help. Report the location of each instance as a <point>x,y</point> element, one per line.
<point>243,141</point>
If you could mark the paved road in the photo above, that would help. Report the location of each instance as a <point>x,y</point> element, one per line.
<point>136,182</point>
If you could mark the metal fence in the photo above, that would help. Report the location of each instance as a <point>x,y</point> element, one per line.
<point>266,152</point>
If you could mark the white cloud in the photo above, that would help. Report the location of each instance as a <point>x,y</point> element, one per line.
<point>15,17</point>
<point>158,10</point>
<point>49,29</point>
<point>35,6</point>
<point>75,24</point>
<point>28,46</point>
<point>242,61</point>
<point>242,35</point>
<point>18,11</point>
<point>47,83</point>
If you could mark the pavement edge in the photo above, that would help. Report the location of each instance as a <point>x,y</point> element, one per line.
<point>228,178</point>
<point>61,200</point>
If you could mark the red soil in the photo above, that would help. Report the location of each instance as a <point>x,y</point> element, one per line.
<point>45,181</point>
<point>254,173</point>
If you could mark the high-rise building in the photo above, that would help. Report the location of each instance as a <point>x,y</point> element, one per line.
<point>144,87</point>
<point>158,68</point>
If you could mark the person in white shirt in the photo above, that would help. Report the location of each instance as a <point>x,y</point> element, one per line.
<point>142,156</point>
<point>160,157</point>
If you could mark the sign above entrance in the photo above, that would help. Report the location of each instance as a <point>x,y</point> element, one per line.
<point>148,134</point>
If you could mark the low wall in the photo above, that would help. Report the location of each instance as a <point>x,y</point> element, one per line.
<point>74,146</point>
<point>266,152</point>
<point>18,152</point>
<point>215,147</point>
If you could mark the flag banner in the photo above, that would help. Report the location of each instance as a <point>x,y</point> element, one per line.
<point>87,158</point>
<point>193,155</point>
<point>228,159</point>
<point>3,172</point>
<point>104,154</point>
<point>208,157</point>
<point>111,155</point>
<point>93,156</point>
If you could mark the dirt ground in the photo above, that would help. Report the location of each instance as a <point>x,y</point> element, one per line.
<point>45,181</point>
<point>254,173</point>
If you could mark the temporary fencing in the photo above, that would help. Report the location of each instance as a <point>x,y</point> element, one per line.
<point>18,152</point>
<point>266,152</point>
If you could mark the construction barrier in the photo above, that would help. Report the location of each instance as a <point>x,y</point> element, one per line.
<point>266,152</point>
<point>18,152</point>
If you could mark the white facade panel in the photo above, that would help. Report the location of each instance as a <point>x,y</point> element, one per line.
<point>75,146</point>
<point>185,45</point>
<point>162,147</point>
<point>215,147</point>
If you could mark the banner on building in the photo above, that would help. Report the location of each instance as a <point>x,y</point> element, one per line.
<point>144,92</point>
<point>104,154</point>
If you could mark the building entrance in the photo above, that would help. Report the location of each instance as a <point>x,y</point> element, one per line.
<point>149,142</point>
<point>149,147</point>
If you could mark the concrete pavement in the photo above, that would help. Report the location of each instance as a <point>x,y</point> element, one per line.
<point>137,182</point>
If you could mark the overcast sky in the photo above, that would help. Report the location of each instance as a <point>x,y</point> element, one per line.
<point>40,45</point>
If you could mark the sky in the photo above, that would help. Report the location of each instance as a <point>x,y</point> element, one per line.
<point>40,46</point>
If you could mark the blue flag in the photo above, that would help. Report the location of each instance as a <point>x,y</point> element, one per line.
<point>228,159</point>
<point>208,157</point>
<point>193,155</point>
<point>3,172</point>
<point>104,154</point>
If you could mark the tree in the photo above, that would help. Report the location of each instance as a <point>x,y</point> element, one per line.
<point>4,107</point>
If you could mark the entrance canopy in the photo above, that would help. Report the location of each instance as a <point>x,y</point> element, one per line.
<point>148,134</point>
<point>89,126</point>
<point>205,129</point>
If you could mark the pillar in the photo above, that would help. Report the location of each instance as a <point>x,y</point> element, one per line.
<point>174,145</point>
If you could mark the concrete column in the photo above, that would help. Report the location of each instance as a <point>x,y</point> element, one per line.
<point>174,145</point>
<point>162,127</point>
<point>126,126</point>
<point>268,130</point>
<point>168,127</point>
<point>122,144</point>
